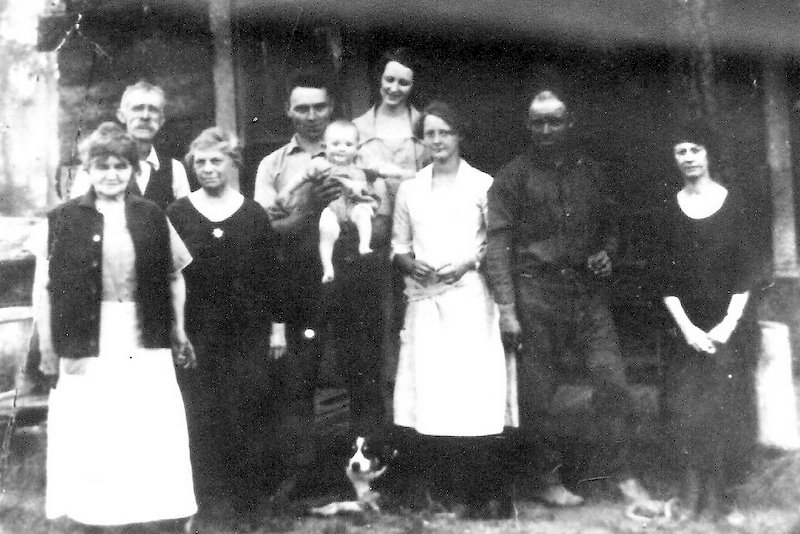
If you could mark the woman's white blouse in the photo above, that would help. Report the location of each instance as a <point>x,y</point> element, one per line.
<point>442,226</point>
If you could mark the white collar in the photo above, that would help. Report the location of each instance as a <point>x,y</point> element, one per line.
<point>463,168</point>
<point>152,159</point>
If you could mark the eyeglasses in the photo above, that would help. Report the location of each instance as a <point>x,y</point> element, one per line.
<point>305,109</point>
<point>430,134</point>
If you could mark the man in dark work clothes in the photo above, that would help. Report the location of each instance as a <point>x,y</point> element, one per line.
<point>551,241</point>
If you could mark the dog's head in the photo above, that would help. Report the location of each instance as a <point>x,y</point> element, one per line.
<point>369,455</point>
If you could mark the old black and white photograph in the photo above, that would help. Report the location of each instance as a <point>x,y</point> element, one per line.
<point>399,267</point>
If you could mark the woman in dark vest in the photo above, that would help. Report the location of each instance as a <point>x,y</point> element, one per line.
<point>110,298</point>
<point>232,298</point>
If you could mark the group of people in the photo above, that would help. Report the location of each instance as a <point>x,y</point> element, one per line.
<point>186,328</point>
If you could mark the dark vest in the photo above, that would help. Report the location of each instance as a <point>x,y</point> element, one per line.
<point>159,187</point>
<point>76,284</point>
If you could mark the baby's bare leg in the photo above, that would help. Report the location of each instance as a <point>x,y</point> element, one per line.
<point>361,215</point>
<point>328,235</point>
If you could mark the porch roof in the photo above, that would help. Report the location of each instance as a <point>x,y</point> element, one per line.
<point>737,25</point>
<point>740,25</point>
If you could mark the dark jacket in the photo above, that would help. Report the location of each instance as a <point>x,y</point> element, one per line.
<point>75,251</point>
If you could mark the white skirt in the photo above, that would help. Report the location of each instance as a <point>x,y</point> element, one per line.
<point>451,374</point>
<point>118,446</point>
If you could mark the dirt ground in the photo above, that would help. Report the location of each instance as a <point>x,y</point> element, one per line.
<point>23,514</point>
<point>770,502</point>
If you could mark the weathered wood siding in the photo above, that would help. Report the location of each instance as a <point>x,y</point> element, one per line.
<point>172,49</point>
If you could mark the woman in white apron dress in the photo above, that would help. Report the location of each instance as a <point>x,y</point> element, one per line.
<point>117,451</point>
<point>451,376</point>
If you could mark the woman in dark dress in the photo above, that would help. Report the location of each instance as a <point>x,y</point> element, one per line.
<point>389,149</point>
<point>713,268</point>
<point>232,301</point>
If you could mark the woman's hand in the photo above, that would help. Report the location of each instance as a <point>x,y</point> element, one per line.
<point>450,274</point>
<point>418,270</point>
<point>694,336</point>
<point>723,331</point>
<point>423,273</point>
<point>182,350</point>
<point>277,341</point>
<point>697,338</point>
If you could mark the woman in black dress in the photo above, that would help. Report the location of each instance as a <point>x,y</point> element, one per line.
<point>231,311</point>
<point>713,268</point>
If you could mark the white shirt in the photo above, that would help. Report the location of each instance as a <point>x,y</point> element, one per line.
<point>180,182</point>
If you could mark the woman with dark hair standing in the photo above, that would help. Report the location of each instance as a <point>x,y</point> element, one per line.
<point>233,297</point>
<point>388,148</point>
<point>110,299</point>
<point>713,267</point>
<point>387,144</point>
<point>451,376</point>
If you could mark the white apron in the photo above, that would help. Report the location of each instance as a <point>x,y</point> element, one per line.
<point>451,377</point>
<point>118,447</point>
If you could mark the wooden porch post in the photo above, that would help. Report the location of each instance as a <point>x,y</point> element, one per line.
<point>219,12</point>
<point>779,159</point>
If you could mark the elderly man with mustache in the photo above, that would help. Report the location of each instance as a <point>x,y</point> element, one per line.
<point>141,111</point>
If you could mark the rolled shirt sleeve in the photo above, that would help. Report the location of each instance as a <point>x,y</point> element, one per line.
<point>265,192</point>
<point>500,220</point>
<point>180,181</point>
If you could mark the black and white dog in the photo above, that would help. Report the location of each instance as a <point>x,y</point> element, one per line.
<point>369,461</point>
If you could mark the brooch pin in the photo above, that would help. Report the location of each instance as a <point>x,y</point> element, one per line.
<point>217,232</point>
